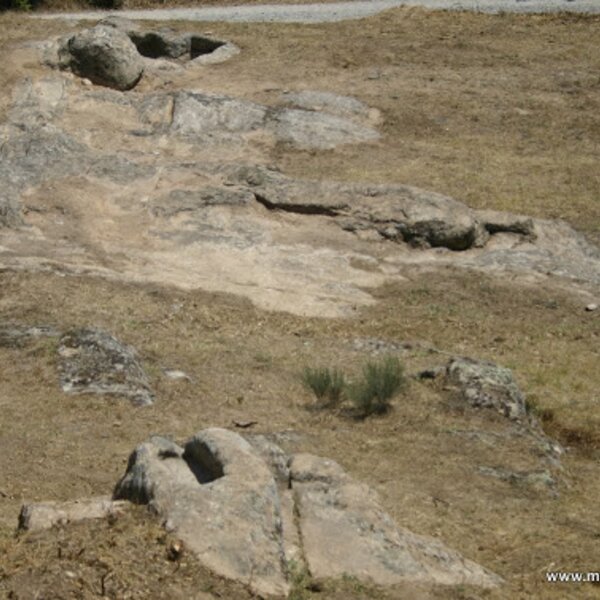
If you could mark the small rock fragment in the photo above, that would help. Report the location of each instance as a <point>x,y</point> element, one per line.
<point>176,375</point>
<point>44,515</point>
<point>175,550</point>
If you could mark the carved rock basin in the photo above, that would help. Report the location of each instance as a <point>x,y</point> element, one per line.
<point>249,511</point>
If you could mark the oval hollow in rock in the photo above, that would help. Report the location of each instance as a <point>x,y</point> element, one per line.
<point>173,46</point>
<point>205,466</point>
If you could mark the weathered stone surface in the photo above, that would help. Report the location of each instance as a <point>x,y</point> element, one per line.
<point>158,50</point>
<point>156,110</point>
<point>10,210</point>
<point>106,56</point>
<point>252,513</point>
<point>274,457</point>
<point>399,213</point>
<point>190,201</point>
<point>44,515</point>
<point>314,130</point>
<point>220,498</point>
<point>290,534</point>
<point>167,161</point>
<point>28,157</point>
<point>344,107</point>
<point>36,154</point>
<point>126,25</point>
<point>556,250</point>
<point>487,385</point>
<point>183,47</point>
<point>541,481</point>
<point>219,493</point>
<point>197,113</point>
<point>37,102</point>
<point>210,51</point>
<point>94,362</point>
<point>16,335</point>
<point>346,532</point>
<point>34,151</point>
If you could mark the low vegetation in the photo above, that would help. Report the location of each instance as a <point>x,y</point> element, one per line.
<point>371,394</point>
<point>326,384</point>
<point>300,580</point>
<point>381,381</point>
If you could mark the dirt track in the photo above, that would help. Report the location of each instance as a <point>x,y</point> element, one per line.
<point>338,11</point>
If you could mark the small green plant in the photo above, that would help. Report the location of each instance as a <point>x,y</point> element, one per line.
<point>300,581</point>
<point>352,583</point>
<point>326,384</point>
<point>380,383</point>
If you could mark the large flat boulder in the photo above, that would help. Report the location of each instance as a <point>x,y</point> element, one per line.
<point>345,107</point>
<point>185,173</point>
<point>345,531</point>
<point>309,129</point>
<point>197,113</point>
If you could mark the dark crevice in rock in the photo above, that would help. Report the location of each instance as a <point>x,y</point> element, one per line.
<point>299,209</point>
<point>201,461</point>
<point>153,45</point>
<point>203,45</point>
<point>524,228</point>
<point>426,234</point>
<point>297,525</point>
<point>169,45</point>
<point>519,228</point>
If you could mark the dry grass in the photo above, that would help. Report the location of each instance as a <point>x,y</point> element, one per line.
<point>244,366</point>
<point>501,112</point>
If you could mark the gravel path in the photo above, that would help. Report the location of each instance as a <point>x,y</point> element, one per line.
<point>339,11</point>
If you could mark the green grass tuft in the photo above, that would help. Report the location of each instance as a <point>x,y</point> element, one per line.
<point>380,383</point>
<point>326,384</point>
